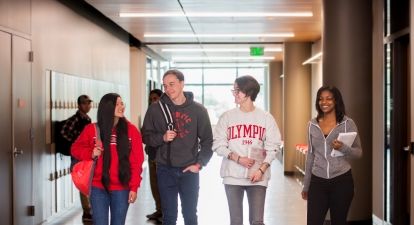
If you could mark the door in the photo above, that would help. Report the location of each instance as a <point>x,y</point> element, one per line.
<point>397,161</point>
<point>21,130</point>
<point>6,127</point>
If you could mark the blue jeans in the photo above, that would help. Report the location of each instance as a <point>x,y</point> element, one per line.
<point>102,201</point>
<point>173,182</point>
<point>256,195</point>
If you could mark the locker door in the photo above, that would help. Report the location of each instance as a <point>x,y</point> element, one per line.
<point>6,129</point>
<point>22,140</point>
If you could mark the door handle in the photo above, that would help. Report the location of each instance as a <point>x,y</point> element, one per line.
<point>17,152</point>
<point>407,148</point>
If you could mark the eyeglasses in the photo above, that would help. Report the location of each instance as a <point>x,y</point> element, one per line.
<point>235,91</point>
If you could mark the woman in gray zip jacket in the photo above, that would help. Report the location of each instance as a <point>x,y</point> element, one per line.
<point>328,182</point>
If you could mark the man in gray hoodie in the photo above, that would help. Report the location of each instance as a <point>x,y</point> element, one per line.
<point>179,129</point>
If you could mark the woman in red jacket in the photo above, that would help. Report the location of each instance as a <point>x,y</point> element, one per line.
<point>118,169</point>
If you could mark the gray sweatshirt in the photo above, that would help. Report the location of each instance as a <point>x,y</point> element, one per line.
<point>319,161</point>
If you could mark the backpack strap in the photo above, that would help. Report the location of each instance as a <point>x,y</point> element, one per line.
<point>167,115</point>
<point>170,126</point>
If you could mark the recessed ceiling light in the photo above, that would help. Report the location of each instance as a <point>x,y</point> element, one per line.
<point>217,49</point>
<point>220,58</point>
<point>221,14</point>
<point>197,65</point>
<point>174,35</point>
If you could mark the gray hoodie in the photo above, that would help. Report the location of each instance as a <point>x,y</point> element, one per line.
<point>194,135</point>
<point>319,161</point>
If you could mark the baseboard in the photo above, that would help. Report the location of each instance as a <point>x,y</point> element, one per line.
<point>289,173</point>
<point>361,222</point>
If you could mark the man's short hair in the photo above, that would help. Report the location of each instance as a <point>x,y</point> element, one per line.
<point>84,99</point>
<point>177,73</point>
<point>248,85</point>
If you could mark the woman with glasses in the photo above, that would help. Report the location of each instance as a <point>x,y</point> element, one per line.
<point>247,138</point>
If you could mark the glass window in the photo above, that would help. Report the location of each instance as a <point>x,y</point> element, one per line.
<point>257,73</point>
<point>217,100</point>
<point>193,76</point>
<point>219,76</point>
<point>197,91</point>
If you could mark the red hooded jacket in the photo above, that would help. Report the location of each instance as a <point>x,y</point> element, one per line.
<point>82,150</point>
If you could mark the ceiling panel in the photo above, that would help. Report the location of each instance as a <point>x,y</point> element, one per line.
<point>305,28</point>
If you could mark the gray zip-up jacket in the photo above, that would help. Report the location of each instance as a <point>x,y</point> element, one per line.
<point>319,161</point>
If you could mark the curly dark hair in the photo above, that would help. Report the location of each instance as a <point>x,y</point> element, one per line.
<point>106,117</point>
<point>339,103</point>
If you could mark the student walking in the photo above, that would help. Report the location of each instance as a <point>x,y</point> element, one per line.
<point>247,138</point>
<point>328,182</point>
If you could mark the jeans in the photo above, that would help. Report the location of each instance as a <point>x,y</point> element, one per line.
<point>256,195</point>
<point>174,183</point>
<point>334,194</point>
<point>102,201</point>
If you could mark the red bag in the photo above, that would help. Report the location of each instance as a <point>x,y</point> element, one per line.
<point>82,172</point>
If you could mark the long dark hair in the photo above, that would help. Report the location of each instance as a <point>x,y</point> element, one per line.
<point>106,111</point>
<point>339,103</point>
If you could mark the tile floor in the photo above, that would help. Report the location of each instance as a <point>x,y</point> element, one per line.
<point>283,203</point>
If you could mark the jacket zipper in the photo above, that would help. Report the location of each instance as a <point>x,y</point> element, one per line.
<point>326,158</point>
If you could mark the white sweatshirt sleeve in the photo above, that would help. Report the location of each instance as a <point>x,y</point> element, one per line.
<point>220,142</point>
<point>273,139</point>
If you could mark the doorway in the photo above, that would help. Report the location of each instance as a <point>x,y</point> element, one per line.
<point>15,134</point>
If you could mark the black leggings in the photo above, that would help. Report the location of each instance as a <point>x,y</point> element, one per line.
<point>334,194</point>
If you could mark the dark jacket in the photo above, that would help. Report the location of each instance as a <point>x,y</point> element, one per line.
<point>194,135</point>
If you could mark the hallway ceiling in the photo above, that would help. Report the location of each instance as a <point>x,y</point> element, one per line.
<point>185,22</point>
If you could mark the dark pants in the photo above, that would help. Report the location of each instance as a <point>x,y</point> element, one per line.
<point>334,194</point>
<point>174,183</point>
<point>154,184</point>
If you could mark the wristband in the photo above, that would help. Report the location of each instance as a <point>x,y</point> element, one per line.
<point>260,169</point>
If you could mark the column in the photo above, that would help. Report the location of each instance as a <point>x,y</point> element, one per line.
<point>347,64</point>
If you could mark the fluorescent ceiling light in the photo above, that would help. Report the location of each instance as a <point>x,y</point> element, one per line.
<point>313,59</point>
<point>198,65</point>
<point>166,35</point>
<point>221,14</point>
<point>220,58</point>
<point>217,49</point>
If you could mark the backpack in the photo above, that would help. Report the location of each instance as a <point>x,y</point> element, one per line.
<point>62,145</point>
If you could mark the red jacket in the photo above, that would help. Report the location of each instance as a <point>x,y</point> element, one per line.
<point>82,149</point>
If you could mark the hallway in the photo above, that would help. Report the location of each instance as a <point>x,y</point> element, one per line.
<point>283,203</point>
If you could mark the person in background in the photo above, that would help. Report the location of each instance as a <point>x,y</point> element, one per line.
<point>117,174</point>
<point>183,147</point>
<point>247,138</point>
<point>328,182</point>
<point>70,131</point>
<point>154,96</point>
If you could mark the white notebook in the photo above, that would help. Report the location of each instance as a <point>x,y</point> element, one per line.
<point>346,138</point>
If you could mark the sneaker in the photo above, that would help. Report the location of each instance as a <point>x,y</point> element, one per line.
<point>155,216</point>
<point>86,217</point>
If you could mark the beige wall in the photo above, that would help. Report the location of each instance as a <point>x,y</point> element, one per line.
<point>411,128</point>
<point>65,42</point>
<point>15,17</point>
<point>276,93</point>
<point>316,81</point>
<point>296,99</point>
<point>378,115</point>
<point>139,102</point>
